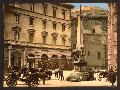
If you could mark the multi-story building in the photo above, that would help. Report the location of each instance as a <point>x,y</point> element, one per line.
<point>112,36</point>
<point>40,30</point>
<point>93,34</point>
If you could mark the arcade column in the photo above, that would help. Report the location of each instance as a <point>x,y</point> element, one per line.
<point>9,55</point>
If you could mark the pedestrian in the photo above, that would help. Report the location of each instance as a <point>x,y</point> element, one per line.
<point>56,73</point>
<point>91,73</point>
<point>112,76</point>
<point>44,77</point>
<point>61,74</point>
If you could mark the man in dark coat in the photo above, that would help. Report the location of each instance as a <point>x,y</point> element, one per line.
<point>61,74</point>
<point>112,76</point>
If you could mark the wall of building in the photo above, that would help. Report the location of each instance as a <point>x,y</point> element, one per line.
<point>38,25</point>
<point>112,36</point>
<point>93,45</point>
<point>23,47</point>
<point>93,41</point>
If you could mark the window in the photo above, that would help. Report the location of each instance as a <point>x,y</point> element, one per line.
<point>93,31</point>
<point>16,33</point>
<point>63,27</point>
<point>88,53</point>
<point>44,39</point>
<point>54,41</point>
<point>45,8</point>
<point>54,25</point>
<point>16,36</point>
<point>115,51</point>
<point>63,41</point>
<point>31,20</point>
<point>99,56</point>
<point>31,6</point>
<point>17,18</point>
<point>63,13</point>
<point>44,24</point>
<point>54,11</point>
<point>31,35</point>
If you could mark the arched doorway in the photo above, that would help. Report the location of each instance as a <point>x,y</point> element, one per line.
<point>63,63</point>
<point>63,57</point>
<point>16,59</point>
<point>44,57</point>
<point>31,61</point>
<point>55,63</point>
<point>43,63</point>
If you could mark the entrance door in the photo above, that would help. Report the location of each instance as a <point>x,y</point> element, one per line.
<point>31,61</point>
<point>16,59</point>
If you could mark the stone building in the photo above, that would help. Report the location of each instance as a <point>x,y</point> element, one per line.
<point>40,30</point>
<point>112,35</point>
<point>94,34</point>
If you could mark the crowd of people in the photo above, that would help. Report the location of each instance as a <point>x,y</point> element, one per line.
<point>59,74</point>
<point>44,74</point>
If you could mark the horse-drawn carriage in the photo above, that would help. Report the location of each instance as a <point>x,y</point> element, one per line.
<point>31,76</point>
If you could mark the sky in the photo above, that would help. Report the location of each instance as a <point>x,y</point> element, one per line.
<point>101,5</point>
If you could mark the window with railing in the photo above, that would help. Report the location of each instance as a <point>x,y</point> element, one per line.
<point>16,33</point>
<point>31,20</point>
<point>63,13</point>
<point>54,41</point>
<point>54,11</point>
<point>16,36</point>
<point>45,8</point>
<point>31,36</point>
<point>54,25</point>
<point>63,27</point>
<point>63,41</point>
<point>44,24</point>
<point>17,18</point>
<point>44,40</point>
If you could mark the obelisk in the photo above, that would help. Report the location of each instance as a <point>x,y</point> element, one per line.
<point>79,32</point>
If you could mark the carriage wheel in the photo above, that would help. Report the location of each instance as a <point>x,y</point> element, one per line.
<point>11,83</point>
<point>31,83</point>
<point>34,83</point>
<point>99,79</point>
<point>28,82</point>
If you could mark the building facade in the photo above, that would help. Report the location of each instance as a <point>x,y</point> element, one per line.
<point>112,36</point>
<point>94,29</point>
<point>40,30</point>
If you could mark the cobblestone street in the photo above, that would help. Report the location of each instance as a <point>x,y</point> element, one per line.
<point>54,82</point>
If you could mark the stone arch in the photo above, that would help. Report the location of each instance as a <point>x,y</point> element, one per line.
<point>31,55</point>
<point>44,57</point>
<point>16,58</point>
<point>63,57</point>
<point>54,61</point>
<point>54,56</point>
